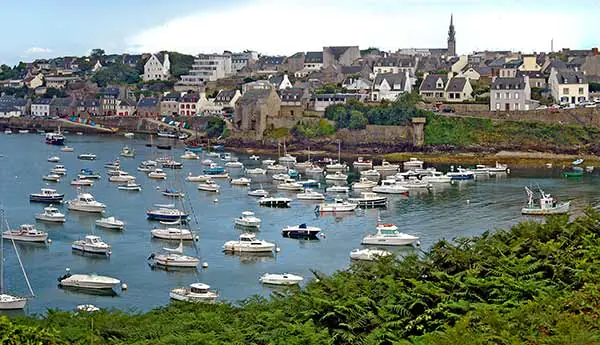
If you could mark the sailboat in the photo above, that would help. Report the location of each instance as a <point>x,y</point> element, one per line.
<point>8,301</point>
<point>337,166</point>
<point>306,164</point>
<point>287,158</point>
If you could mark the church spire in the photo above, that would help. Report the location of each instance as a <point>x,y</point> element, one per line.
<point>451,38</point>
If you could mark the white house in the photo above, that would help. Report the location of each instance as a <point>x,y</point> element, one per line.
<point>41,107</point>
<point>469,73</point>
<point>97,66</point>
<point>389,86</point>
<point>356,84</point>
<point>208,67</point>
<point>568,86</point>
<point>459,64</point>
<point>158,67</point>
<point>9,111</point>
<point>227,98</point>
<point>281,82</point>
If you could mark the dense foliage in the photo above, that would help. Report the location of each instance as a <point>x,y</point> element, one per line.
<point>180,63</point>
<point>537,283</point>
<point>215,127</point>
<point>594,87</point>
<point>16,72</point>
<point>395,113</point>
<point>311,130</point>
<point>116,74</point>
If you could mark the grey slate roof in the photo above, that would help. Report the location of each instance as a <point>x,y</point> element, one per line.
<point>291,94</point>
<point>313,57</point>
<point>570,77</point>
<point>513,64</point>
<point>391,78</point>
<point>496,63</point>
<point>429,83</point>
<point>337,52</point>
<point>351,69</point>
<point>189,98</point>
<point>126,103</point>
<point>12,101</point>
<point>61,102</point>
<point>147,102</point>
<point>254,95</point>
<point>276,80</point>
<point>42,101</point>
<point>272,60</point>
<point>456,84</point>
<point>484,70</point>
<point>5,108</point>
<point>172,97</point>
<point>225,95</point>
<point>111,91</point>
<point>88,103</point>
<point>131,59</point>
<point>517,83</point>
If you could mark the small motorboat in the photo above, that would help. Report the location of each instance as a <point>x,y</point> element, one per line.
<point>227,157</point>
<point>88,174</point>
<point>209,186</point>
<point>248,220</point>
<point>390,187</point>
<point>234,165</point>
<point>82,183</point>
<point>364,183</point>
<point>197,292</point>
<point>91,244</point>
<point>254,158</point>
<point>336,167</point>
<point>213,169</point>
<point>116,165</point>
<point>197,178</point>
<point>268,162</point>
<point>221,175</point>
<point>280,279</point>
<point>207,162</point>
<point>368,254</point>
<point>59,170</point>
<point>121,176</point>
<point>277,168</point>
<point>301,231</point>
<point>572,173</point>
<point>314,170</point>
<point>259,193</point>
<point>362,163</point>
<point>54,159</point>
<point>436,178</point>
<point>247,243</point>
<point>88,281</point>
<point>47,195</point>
<point>386,167</point>
<point>369,199</point>
<point>577,161</point>
<point>87,156</point>
<point>280,177</point>
<point>370,173</point>
<point>23,131</point>
<point>174,257</point>
<point>170,233</point>
<point>274,202</point>
<point>290,185</point>
<point>338,205</point>
<point>172,193</point>
<point>461,175</point>
<point>8,131</point>
<point>51,177</point>
<point>338,189</point>
<point>163,146</point>
<point>158,174</point>
<point>172,164</point>
<point>413,163</point>
<point>546,205</point>
<point>85,202</point>
<point>389,235</point>
<point>168,214</point>
<point>51,214</point>
<point>26,233</point>
<point>287,159</point>
<point>127,152</point>
<point>67,149</point>
<point>129,135</point>
<point>310,194</point>
<point>110,223</point>
<point>86,308</point>
<point>131,186</point>
<point>256,171</point>
<point>242,181</point>
<point>309,183</point>
<point>189,155</point>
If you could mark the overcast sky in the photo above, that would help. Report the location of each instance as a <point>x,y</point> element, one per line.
<point>45,28</point>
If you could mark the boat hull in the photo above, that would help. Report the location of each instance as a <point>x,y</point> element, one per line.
<point>301,234</point>
<point>9,302</point>
<point>172,235</point>
<point>88,284</point>
<point>389,241</point>
<point>184,296</point>
<point>561,209</point>
<point>43,218</point>
<point>90,250</point>
<point>169,261</point>
<point>165,217</point>
<point>88,209</point>
<point>46,199</point>
<point>25,238</point>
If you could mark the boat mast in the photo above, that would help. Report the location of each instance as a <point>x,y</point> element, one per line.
<point>18,259</point>
<point>2,252</point>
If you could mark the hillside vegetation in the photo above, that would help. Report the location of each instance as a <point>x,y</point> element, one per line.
<point>533,284</point>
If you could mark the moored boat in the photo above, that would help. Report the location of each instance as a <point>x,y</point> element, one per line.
<point>248,243</point>
<point>197,292</point>
<point>166,214</point>
<point>258,192</point>
<point>389,235</point>
<point>360,162</point>
<point>85,202</point>
<point>413,163</point>
<point>131,186</point>
<point>338,205</point>
<point>87,156</point>
<point>47,195</point>
<point>274,201</point>
<point>280,279</point>
<point>310,194</point>
<point>248,219</point>
<point>91,244</point>
<point>241,181</point>
<point>546,205</point>
<point>82,183</point>
<point>301,231</point>
<point>369,199</point>
<point>110,223</point>
<point>25,233</point>
<point>368,254</point>
<point>51,214</point>
<point>209,186</point>
<point>88,281</point>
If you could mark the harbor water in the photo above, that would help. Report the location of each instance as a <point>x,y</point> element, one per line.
<point>448,211</point>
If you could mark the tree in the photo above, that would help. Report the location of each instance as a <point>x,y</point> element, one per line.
<point>116,73</point>
<point>52,92</point>
<point>357,120</point>
<point>97,53</point>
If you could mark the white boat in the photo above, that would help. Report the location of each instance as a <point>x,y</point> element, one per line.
<point>498,168</point>
<point>227,157</point>
<point>280,279</point>
<point>127,152</point>
<point>59,170</point>
<point>256,171</point>
<point>67,149</point>
<point>87,156</point>
<point>54,159</point>
<point>338,189</point>
<point>368,254</point>
<point>46,195</point>
<point>274,201</point>
<point>149,163</point>
<point>389,235</point>
<point>370,173</point>
<point>131,186</point>
<point>314,170</point>
<point>189,155</point>
<point>276,168</point>
<point>242,181</point>
<point>369,199</point>
<point>338,205</point>
<point>209,186</point>
<point>247,243</point>
<point>129,135</point>
<point>51,177</point>
<point>158,174</point>
<point>290,185</point>
<point>172,164</point>
<point>364,183</point>
<point>268,161</point>
<point>172,193</point>
<point>589,168</point>
<point>258,192</point>
<point>386,167</point>
<point>413,163</point>
<point>88,281</point>
<point>220,175</point>
<point>436,177</point>
<point>390,187</point>
<point>212,154</point>
<point>248,219</point>
<point>301,231</point>
<point>116,165</point>
<point>207,162</point>
<point>51,214</point>
<point>170,233</point>
<point>110,223</point>
<point>254,158</point>
<point>362,163</point>
<point>287,159</point>
<point>85,202</point>
<point>8,301</point>
<point>337,176</point>
<point>8,131</point>
<point>91,244</point>
<point>174,257</point>
<point>310,194</point>
<point>197,292</point>
<point>280,177</point>
<point>82,183</point>
<point>461,174</point>
<point>26,233</point>
<point>197,178</point>
<point>413,183</point>
<point>236,165</point>
<point>336,167</point>
<point>87,308</point>
<point>546,205</point>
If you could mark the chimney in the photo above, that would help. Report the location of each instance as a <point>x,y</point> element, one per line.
<point>595,51</point>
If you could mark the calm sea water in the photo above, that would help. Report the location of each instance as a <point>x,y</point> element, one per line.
<point>461,209</point>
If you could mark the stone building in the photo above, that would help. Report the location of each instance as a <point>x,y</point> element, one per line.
<point>253,109</point>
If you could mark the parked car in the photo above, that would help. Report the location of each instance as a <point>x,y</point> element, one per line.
<point>447,110</point>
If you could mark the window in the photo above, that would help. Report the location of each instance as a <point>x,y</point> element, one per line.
<point>565,91</point>
<point>497,95</point>
<point>581,91</point>
<point>508,95</point>
<point>516,95</point>
<point>517,106</point>
<point>497,106</point>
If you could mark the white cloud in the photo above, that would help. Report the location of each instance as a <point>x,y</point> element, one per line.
<point>38,50</point>
<point>285,27</point>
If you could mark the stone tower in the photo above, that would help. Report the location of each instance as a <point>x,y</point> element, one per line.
<point>451,39</point>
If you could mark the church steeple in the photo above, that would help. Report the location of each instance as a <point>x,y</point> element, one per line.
<point>451,38</point>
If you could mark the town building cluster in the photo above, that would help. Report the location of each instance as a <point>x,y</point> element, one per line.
<point>256,91</point>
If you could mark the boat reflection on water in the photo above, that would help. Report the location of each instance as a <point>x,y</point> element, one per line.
<point>156,267</point>
<point>251,258</point>
<point>31,247</point>
<point>95,292</point>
